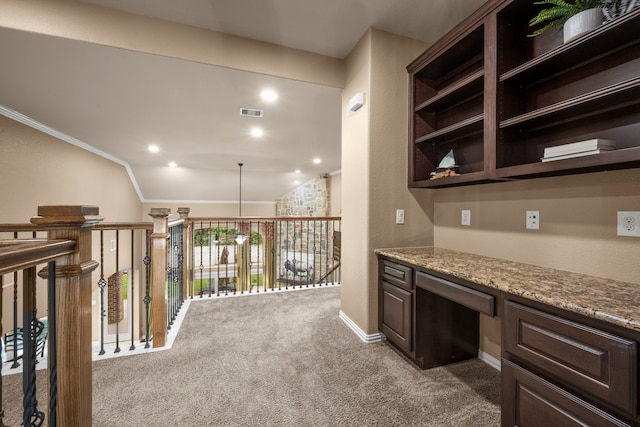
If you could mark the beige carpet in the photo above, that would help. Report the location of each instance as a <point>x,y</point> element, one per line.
<point>285,359</point>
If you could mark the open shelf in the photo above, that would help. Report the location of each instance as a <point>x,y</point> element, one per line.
<point>498,97</point>
<point>609,160</point>
<point>606,38</point>
<point>616,96</point>
<point>469,87</point>
<point>464,127</point>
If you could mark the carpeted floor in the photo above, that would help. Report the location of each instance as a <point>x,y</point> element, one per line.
<point>285,359</point>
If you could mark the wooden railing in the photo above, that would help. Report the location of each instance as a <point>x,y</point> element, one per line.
<point>169,258</point>
<point>24,256</point>
<point>251,255</point>
<point>69,317</point>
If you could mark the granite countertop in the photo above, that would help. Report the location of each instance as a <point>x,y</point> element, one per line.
<point>609,300</point>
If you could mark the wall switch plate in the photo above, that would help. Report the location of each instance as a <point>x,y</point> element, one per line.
<point>113,245</point>
<point>629,223</point>
<point>465,217</point>
<point>399,216</point>
<point>533,220</point>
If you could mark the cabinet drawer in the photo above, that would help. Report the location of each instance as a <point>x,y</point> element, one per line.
<point>476,300</point>
<point>585,358</point>
<point>536,402</point>
<point>397,274</point>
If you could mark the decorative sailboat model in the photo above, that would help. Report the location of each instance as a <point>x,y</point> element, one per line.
<point>447,167</point>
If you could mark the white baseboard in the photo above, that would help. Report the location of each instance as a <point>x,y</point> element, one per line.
<point>359,332</point>
<point>489,360</point>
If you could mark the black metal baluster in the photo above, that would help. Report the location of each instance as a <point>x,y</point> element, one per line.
<point>169,289</point>
<point>216,241</point>
<point>247,252</point>
<point>131,292</point>
<point>315,251</point>
<point>31,330</point>
<point>192,251</point>
<point>280,264</point>
<point>1,351</point>
<point>147,298</point>
<point>117,350</point>
<point>53,345</point>
<point>288,239</point>
<point>309,265</point>
<point>326,270</point>
<point>15,363</point>
<point>181,268</point>
<point>260,242</point>
<point>101,284</point>
<point>201,258</point>
<point>209,272</point>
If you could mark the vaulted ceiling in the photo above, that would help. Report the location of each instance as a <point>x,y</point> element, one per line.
<point>117,101</point>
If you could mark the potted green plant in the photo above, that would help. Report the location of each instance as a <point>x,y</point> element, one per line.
<point>576,18</point>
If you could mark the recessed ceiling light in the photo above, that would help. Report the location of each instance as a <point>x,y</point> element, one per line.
<point>317,160</point>
<point>154,148</point>
<point>257,132</point>
<point>296,182</point>
<point>172,164</point>
<point>298,171</point>
<point>269,95</point>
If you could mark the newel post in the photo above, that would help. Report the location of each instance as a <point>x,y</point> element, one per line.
<point>186,252</point>
<point>159,265</point>
<point>73,309</point>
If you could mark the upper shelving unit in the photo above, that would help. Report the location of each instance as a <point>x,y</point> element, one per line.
<point>448,107</point>
<point>498,98</point>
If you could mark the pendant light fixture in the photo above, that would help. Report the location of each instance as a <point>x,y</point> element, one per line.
<point>240,236</point>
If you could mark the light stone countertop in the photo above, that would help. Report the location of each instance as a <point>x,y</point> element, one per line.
<point>609,300</point>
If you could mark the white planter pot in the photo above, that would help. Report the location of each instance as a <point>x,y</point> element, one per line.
<point>582,23</point>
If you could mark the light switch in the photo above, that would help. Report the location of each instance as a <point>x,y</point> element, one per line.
<point>399,216</point>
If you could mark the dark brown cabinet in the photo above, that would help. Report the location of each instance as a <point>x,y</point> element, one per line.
<point>559,367</point>
<point>498,98</point>
<point>395,317</point>
<point>564,371</point>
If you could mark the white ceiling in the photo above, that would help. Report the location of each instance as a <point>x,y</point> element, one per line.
<point>118,101</point>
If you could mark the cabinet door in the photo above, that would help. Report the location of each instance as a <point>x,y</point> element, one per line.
<point>528,400</point>
<point>395,323</point>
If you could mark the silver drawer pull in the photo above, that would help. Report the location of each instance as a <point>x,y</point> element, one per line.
<point>394,272</point>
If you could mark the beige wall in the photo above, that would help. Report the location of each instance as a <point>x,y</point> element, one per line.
<point>335,194</point>
<point>374,175</point>
<point>37,169</point>
<point>212,210</point>
<point>577,227</point>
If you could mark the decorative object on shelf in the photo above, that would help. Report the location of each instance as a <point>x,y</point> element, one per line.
<point>577,18</point>
<point>447,167</point>
<point>612,9</point>
<point>578,149</point>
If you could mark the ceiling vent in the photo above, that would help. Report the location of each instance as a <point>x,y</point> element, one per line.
<point>251,112</point>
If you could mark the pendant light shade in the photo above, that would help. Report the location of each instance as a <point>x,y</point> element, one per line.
<point>240,236</point>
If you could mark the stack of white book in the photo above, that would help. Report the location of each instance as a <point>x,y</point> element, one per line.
<point>578,149</point>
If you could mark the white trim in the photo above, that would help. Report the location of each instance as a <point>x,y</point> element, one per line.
<point>359,332</point>
<point>12,114</point>
<point>490,360</point>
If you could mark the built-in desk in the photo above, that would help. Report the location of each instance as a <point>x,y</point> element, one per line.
<point>569,341</point>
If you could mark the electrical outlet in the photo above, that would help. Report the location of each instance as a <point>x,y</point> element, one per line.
<point>533,220</point>
<point>629,223</point>
<point>465,218</point>
<point>399,216</point>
